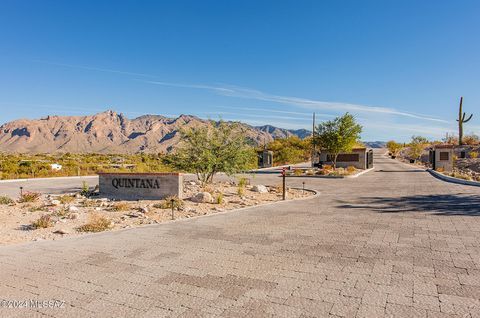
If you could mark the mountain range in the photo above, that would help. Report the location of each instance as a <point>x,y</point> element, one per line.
<point>112,132</point>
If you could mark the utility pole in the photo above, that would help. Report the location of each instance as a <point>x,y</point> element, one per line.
<point>313,141</point>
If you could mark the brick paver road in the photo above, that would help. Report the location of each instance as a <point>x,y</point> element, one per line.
<point>395,242</point>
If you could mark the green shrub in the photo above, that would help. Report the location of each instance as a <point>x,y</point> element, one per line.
<point>220,198</point>
<point>5,200</point>
<point>242,184</point>
<point>298,172</point>
<point>85,189</point>
<point>43,222</point>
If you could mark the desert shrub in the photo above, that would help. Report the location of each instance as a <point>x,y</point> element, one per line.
<point>474,155</point>
<point>43,222</point>
<point>219,198</point>
<point>5,200</point>
<point>85,189</point>
<point>35,208</point>
<point>351,169</point>
<point>167,203</point>
<point>89,203</point>
<point>208,188</point>
<point>341,171</point>
<point>61,212</point>
<point>298,172</point>
<point>65,199</point>
<point>121,206</point>
<point>439,169</point>
<point>322,172</point>
<point>29,197</point>
<point>310,172</point>
<point>96,223</point>
<point>327,167</point>
<point>242,184</point>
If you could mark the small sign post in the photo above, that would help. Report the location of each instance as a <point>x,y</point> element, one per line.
<point>284,172</point>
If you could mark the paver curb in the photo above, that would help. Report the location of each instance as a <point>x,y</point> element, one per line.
<point>84,236</point>
<point>443,177</point>
<point>333,177</point>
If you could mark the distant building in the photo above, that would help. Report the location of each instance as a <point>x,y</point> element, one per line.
<point>265,158</point>
<point>55,167</point>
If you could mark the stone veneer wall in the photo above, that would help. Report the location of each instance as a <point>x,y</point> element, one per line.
<point>140,186</point>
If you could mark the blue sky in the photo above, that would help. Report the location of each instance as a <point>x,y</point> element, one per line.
<point>398,66</point>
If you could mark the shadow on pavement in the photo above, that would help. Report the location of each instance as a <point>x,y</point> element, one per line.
<point>450,204</point>
<point>418,170</point>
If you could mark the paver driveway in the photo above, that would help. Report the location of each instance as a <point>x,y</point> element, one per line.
<point>395,242</point>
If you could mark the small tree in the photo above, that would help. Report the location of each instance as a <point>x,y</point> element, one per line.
<point>417,145</point>
<point>394,147</point>
<point>218,147</point>
<point>338,135</point>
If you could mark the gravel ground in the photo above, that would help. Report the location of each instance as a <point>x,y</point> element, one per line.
<point>16,218</point>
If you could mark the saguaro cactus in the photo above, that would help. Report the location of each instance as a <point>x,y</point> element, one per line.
<point>461,120</point>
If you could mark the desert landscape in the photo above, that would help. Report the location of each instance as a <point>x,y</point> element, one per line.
<point>35,217</point>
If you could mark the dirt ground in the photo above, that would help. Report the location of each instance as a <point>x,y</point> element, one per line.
<point>70,211</point>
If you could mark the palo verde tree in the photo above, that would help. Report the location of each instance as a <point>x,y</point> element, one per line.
<point>394,147</point>
<point>218,147</point>
<point>338,135</point>
<point>417,146</point>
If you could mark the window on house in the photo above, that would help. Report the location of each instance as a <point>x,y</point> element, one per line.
<point>444,156</point>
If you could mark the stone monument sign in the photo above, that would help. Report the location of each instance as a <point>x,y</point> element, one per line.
<point>140,186</point>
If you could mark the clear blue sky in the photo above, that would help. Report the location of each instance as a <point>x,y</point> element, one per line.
<point>399,66</point>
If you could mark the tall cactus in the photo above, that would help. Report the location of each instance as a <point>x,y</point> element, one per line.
<point>461,120</point>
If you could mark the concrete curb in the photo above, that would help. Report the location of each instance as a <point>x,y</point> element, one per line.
<point>41,179</point>
<point>360,173</point>
<point>87,235</point>
<point>443,177</point>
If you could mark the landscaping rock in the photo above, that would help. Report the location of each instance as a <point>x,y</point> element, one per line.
<point>143,209</point>
<point>202,197</point>
<point>73,208</point>
<point>55,202</point>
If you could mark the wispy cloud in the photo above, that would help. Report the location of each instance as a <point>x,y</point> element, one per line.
<point>248,93</point>
<point>98,69</point>
<point>269,110</point>
<point>242,92</point>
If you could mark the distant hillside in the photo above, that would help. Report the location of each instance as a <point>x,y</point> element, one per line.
<point>276,132</point>
<point>110,132</point>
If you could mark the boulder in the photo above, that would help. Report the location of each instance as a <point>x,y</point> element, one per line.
<point>260,188</point>
<point>202,197</point>
<point>72,208</point>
